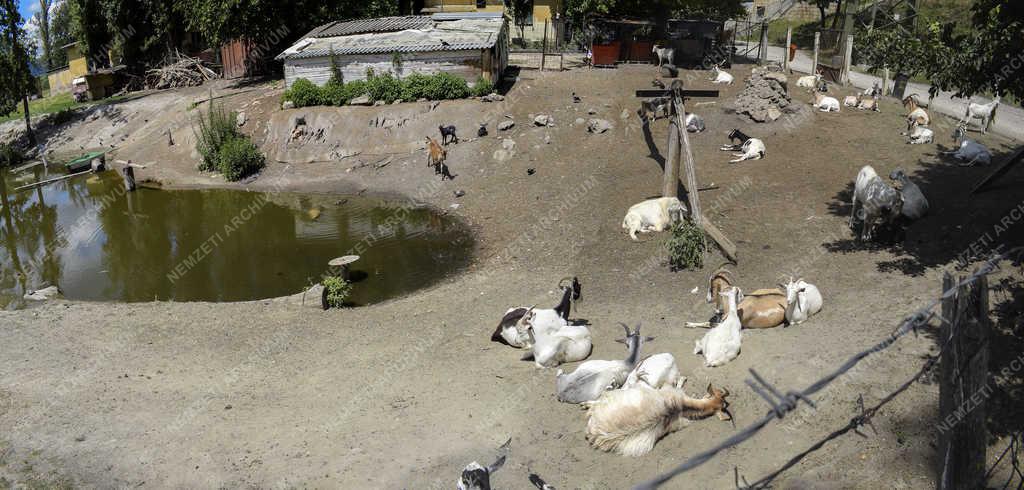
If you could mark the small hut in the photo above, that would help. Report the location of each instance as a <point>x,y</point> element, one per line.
<point>468,45</point>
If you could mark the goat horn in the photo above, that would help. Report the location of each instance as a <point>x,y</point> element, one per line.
<point>566,278</point>
<point>709,388</point>
<point>625,327</point>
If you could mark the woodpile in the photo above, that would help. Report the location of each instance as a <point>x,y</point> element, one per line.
<point>181,71</point>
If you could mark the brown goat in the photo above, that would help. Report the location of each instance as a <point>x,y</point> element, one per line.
<point>630,421</point>
<point>763,308</point>
<point>436,155</point>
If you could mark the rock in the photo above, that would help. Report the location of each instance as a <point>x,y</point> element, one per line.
<point>492,97</point>
<point>397,101</point>
<point>506,125</point>
<point>624,115</point>
<point>598,126</point>
<point>361,100</point>
<point>502,155</point>
<point>778,77</point>
<point>774,113</point>
<point>669,71</point>
<point>508,144</point>
<point>579,121</point>
<point>547,139</point>
<point>43,294</point>
<point>544,120</point>
<point>379,103</point>
<point>288,105</point>
<point>434,104</point>
<point>240,119</point>
<point>459,193</point>
<point>591,111</point>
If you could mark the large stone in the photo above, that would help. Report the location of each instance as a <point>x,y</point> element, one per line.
<point>774,113</point>
<point>361,100</point>
<point>240,119</point>
<point>506,125</point>
<point>502,155</point>
<point>598,126</point>
<point>543,120</point>
<point>42,294</point>
<point>286,105</point>
<point>492,97</point>
<point>508,144</point>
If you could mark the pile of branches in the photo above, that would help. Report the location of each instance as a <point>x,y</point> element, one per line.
<point>179,71</point>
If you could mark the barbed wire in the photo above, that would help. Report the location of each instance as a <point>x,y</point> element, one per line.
<point>1012,448</point>
<point>781,404</point>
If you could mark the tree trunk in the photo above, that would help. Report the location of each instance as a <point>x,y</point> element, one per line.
<point>28,123</point>
<point>821,9</point>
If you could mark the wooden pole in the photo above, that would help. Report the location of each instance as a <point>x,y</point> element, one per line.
<point>814,61</point>
<point>789,42</point>
<point>764,43</point>
<point>847,60</point>
<point>670,182</point>
<point>544,46</point>
<point>963,388</point>
<point>885,80</point>
<point>128,172</point>
<point>1000,170</point>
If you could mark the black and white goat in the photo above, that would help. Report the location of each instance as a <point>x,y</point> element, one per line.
<point>734,137</point>
<point>877,200</point>
<point>478,477</point>
<point>752,149</point>
<point>511,329</point>
<point>915,205</point>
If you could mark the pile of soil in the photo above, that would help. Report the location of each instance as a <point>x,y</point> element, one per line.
<point>766,98</point>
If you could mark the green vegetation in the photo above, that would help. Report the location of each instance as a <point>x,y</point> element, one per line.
<point>223,148</point>
<point>338,291</point>
<point>10,156</point>
<point>385,87</point>
<point>686,246</point>
<point>482,87</point>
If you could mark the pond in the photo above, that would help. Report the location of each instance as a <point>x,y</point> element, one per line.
<point>95,241</point>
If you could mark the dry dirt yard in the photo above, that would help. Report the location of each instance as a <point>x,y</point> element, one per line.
<point>403,394</point>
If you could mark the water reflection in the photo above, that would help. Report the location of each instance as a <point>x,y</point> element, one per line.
<point>97,242</point>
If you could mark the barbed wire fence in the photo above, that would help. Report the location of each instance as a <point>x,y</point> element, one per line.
<point>783,403</point>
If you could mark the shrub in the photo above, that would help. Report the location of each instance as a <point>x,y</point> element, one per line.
<point>384,87</point>
<point>333,93</point>
<point>336,76</point>
<point>686,246</point>
<point>336,291</point>
<point>10,156</point>
<point>216,127</point>
<point>304,93</point>
<point>416,86</point>
<point>445,86</point>
<point>354,89</point>
<point>239,158</point>
<point>482,87</point>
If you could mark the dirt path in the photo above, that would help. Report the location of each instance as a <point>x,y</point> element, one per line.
<point>405,393</point>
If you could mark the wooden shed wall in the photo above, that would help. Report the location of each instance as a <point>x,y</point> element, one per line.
<point>465,64</point>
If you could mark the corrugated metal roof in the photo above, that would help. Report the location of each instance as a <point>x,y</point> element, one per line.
<point>467,15</point>
<point>380,24</point>
<point>448,35</point>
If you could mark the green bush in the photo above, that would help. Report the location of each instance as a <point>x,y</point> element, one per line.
<point>239,158</point>
<point>384,87</point>
<point>216,127</point>
<point>482,87</point>
<point>304,93</point>
<point>337,290</point>
<point>686,246</point>
<point>10,156</point>
<point>333,93</point>
<point>354,89</point>
<point>444,86</point>
<point>416,86</point>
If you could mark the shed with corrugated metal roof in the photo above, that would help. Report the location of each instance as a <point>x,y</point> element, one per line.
<point>470,46</point>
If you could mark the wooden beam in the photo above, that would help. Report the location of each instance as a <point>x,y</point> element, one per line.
<point>817,45</point>
<point>49,181</point>
<point>1000,170</point>
<point>789,42</point>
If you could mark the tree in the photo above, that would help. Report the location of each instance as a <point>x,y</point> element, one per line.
<point>15,77</point>
<point>42,20</point>
<point>578,10</point>
<point>520,10</point>
<point>60,34</point>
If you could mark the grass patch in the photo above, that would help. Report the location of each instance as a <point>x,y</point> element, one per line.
<point>337,291</point>
<point>686,246</point>
<point>63,102</point>
<point>223,148</point>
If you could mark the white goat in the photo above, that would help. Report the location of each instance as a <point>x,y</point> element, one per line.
<point>694,123</point>
<point>653,215</point>
<point>985,112</point>
<point>721,344</point>
<point>592,378</point>
<point>657,371</point>
<point>570,343</point>
<point>825,103</point>
<point>918,135</point>
<point>851,101</point>
<point>868,103</point>
<point>874,91</point>
<point>630,422</point>
<point>753,149</point>
<point>810,81</point>
<point>511,330</point>
<point>877,200</point>
<point>802,301</point>
<point>968,151</point>
<point>665,55</point>
<point>721,76</point>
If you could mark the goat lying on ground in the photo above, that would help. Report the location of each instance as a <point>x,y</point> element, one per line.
<point>569,343</point>
<point>631,421</point>
<point>915,113</point>
<point>877,201</point>
<point>985,112</point>
<point>448,133</point>
<point>753,149</point>
<point>592,378</point>
<point>722,343</point>
<point>655,372</point>
<point>917,100</point>
<point>653,215</point>
<point>721,76</point>
<point>665,55</point>
<point>763,308</point>
<point>511,329</point>
<point>477,477</point>
<point>868,103</point>
<point>968,151</point>
<point>851,101</point>
<point>918,135</point>
<point>915,205</point>
<point>734,136</point>
<point>803,300</point>
<point>809,81</point>
<point>825,103</point>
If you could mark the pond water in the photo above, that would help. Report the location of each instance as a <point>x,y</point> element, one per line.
<point>95,241</point>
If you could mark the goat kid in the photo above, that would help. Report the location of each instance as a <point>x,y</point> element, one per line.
<point>629,422</point>
<point>752,149</point>
<point>734,137</point>
<point>851,101</point>
<point>825,103</point>
<point>592,378</point>
<point>477,477</point>
<point>985,112</point>
<point>721,76</point>
<point>653,215</point>
<point>809,81</point>
<point>448,134</point>
<point>694,123</point>
<point>868,103</point>
<point>803,300</point>
<point>877,201</point>
<point>665,55</point>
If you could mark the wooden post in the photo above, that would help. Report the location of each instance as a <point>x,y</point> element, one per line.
<point>963,388</point>
<point>670,182</point>
<point>128,173</point>
<point>885,80</point>
<point>847,60</point>
<point>764,43</point>
<point>789,42</point>
<point>544,46</point>
<point>814,61</point>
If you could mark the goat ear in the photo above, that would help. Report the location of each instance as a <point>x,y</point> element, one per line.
<point>621,341</point>
<point>709,389</point>
<point>648,339</point>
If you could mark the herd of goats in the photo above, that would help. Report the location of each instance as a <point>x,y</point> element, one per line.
<point>633,402</point>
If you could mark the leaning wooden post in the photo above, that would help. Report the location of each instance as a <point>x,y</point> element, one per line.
<point>128,173</point>
<point>789,42</point>
<point>544,46</point>
<point>814,61</point>
<point>670,182</point>
<point>687,153</point>
<point>963,389</point>
<point>847,60</point>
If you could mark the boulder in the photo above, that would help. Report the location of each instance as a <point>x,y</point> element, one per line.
<point>240,119</point>
<point>379,103</point>
<point>598,126</point>
<point>492,97</point>
<point>506,125</point>
<point>502,155</point>
<point>544,120</point>
<point>774,113</point>
<point>361,100</point>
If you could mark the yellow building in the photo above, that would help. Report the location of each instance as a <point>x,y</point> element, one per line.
<point>78,66</point>
<point>543,11</point>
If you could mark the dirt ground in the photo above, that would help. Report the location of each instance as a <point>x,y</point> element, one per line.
<point>405,393</point>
